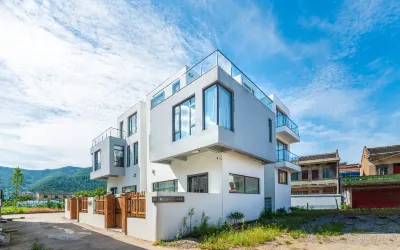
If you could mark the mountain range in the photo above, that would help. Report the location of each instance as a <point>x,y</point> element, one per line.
<point>65,179</point>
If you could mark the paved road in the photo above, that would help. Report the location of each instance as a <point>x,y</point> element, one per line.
<point>55,232</point>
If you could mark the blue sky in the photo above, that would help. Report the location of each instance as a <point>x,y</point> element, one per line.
<point>68,69</point>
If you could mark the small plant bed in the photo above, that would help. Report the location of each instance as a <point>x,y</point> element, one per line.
<point>281,228</point>
<point>29,210</point>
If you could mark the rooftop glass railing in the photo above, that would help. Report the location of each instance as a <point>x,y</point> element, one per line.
<point>214,59</point>
<point>283,120</point>
<point>285,155</point>
<point>113,132</point>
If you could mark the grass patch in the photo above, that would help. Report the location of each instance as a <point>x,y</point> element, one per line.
<point>297,234</point>
<point>332,229</point>
<point>26,210</point>
<point>288,242</point>
<point>13,210</point>
<point>37,246</point>
<point>249,237</point>
<point>357,230</point>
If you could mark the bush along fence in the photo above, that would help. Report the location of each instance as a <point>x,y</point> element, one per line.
<point>116,209</point>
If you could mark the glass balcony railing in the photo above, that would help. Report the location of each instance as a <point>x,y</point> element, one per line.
<point>214,59</point>
<point>109,132</point>
<point>283,120</point>
<point>285,155</point>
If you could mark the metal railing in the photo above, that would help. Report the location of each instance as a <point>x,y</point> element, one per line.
<point>109,132</point>
<point>285,155</point>
<point>355,180</point>
<point>216,58</point>
<point>283,120</point>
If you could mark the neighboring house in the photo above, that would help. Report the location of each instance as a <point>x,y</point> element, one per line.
<point>43,196</point>
<point>278,175</point>
<point>319,174</point>
<point>207,134</point>
<point>346,169</point>
<point>379,182</point>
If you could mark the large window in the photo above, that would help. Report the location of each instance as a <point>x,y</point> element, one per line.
<point>132,124</point>
<point>315,174</point>
<point>198,183</point>
<point>184,119</point>
<point>295,176</point>
<point>328,173</point>
<point>218,107</point>
<point>132,189</point>
<point>282,177</point>
<point>166,186</point>
<point>128,156</point>
<point>97,160</point>
<point>280,145</point>
<point>270,129</point>
<point>382,170</point>
<point>157,99</point>
<point>243,184</point>
<point>135,153</point>
<point>114,190</point>
<point>304,175</point>
<point>118,156</point>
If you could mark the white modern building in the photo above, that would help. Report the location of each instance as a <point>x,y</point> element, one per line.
<point>207,134</point>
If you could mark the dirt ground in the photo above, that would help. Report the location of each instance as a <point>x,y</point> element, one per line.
<point>55,232</point>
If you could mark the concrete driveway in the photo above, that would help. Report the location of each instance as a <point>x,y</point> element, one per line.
<point>56,232</point>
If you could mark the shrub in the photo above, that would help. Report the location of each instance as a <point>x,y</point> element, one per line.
<point>265,214</point>
<point>236,216</point>
<point>281,211</point>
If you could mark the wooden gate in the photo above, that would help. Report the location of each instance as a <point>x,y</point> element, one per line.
<point>118,212</point>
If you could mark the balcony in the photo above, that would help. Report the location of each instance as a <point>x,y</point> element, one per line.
<point>372,179</point>
<point>286,129</point>
<point>286,160</point>
<point>216,58</point>
<point>109,147</point>
<point>315,183</point>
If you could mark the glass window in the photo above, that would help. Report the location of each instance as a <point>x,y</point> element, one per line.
<point>304,175</point>
<point>282,177</point>
<point>315,174</point>
<point>184,119</point>
<point>121,130</point>
<point>157,99</point>
<point>166,186</point>
<point>132,124</point>
<point>198,183</point>
<point>135,153</point>
<point>118,156</point>
<point>129,189</point>
<point>270,129</point>
<point>280,145</point>
<point>128,156</point>
<point>97,160</point>
<point>56,197</point>
<point>218,107</point>
<point>328,173</point>
<point>176,87</point>
<point>295,176</point>
<point>243,184</point>
<point>114,190</point>
<point>382,170</point>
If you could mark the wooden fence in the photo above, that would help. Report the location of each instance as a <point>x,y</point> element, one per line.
<point>83,205</point>
<point>99,204</point>
<point>69,205</point>
<point>136,206</point>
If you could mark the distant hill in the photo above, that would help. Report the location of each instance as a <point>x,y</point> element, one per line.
<point>66,179</point>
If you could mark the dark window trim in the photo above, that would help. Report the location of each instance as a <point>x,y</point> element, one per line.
<point>130,124</point>
<point>121,129</point>
<point>194,175</point>
<point>180,119</point>
<point>177,184</point>
<point>244,182</point>
<point>136,154</point>
<point>95,160</point>
<point>286,179</point>
<point>128,156</point>
<point>116,190</point>
<point>270,129</point>
<point>217,103</point>
<point>123,154</point>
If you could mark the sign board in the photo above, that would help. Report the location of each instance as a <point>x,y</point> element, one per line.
<point>166,199</point>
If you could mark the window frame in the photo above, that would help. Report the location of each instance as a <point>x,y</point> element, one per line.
<point>123,155</point>
<point>180,117</point>
<point>177,82</point>
<point>286,177</point>
<point>128,156</point>
<point>124,188</point>
<point>270,129</point>
<point>296,174</point>
<point>114,188</point>
<point>121,129</point>
<point>384,167</point>
<point>307,172</point>
<point>96,162</point>
<point>176,184</point>
<point>197,175</point>
<point>135,153</point>
<point>156,96</point>
<point>130,131</point>
<point>218,84</point>
<point>244,184</point>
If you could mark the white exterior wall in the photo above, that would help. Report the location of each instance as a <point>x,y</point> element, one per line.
<point>317,201</point>
<point>282,192</point>
<point>249,204</point>
<point>91,218</point>
<point>67,214</point>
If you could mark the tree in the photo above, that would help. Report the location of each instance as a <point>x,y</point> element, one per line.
<point>17,180</point>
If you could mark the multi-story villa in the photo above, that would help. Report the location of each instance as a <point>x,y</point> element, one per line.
<point>319,174</point>
<point>207,134</point>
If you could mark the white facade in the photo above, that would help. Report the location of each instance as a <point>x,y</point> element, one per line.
<point>278,190</point>
<point>218,169</point>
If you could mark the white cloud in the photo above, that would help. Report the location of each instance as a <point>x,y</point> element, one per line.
<point>68,69</point>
